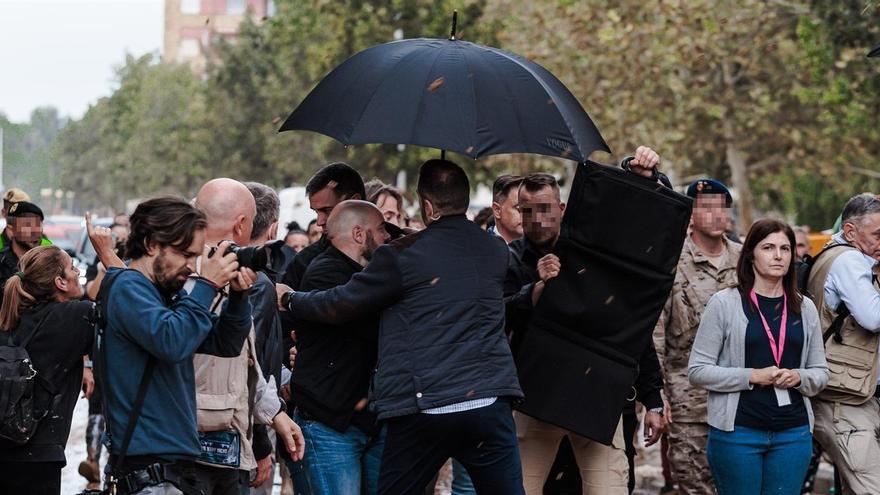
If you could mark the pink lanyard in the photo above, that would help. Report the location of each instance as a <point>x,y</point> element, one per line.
<point>776,350</point>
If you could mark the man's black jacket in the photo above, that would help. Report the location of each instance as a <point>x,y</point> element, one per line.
<point>442,335</point>
<point>296,269</point>
<point>267,330</point>
<point>334,362</point>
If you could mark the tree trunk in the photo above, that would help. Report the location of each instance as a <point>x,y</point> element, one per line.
<point>736,160</point>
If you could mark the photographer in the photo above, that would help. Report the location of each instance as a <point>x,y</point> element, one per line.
<point>41,313</point>
<point>233,396</point>
<point>152,331</point>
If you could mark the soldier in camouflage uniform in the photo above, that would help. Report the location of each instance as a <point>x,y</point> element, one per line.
<point>707,265</point>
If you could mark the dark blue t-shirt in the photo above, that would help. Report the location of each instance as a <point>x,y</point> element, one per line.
<point>758,408</point>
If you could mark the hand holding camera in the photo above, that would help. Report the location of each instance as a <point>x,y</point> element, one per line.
<point>217,269</point>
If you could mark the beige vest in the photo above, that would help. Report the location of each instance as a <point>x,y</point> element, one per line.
<point>852,363</point>
<point>225,395</point>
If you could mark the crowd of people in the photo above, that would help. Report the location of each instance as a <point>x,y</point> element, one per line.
<point>360,354</point>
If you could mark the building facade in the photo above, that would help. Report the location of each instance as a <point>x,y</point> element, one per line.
<point>191,26</point>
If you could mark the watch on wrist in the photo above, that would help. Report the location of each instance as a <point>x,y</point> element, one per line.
<point>87,363</point>
<point>658,410</point>
<point>285,299</point>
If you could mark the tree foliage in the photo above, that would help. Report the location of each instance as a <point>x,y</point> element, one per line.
<point>775,96</point>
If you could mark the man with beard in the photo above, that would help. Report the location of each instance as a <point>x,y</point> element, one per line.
<point>25,230</point>
<point>151,333</point>
<point>331,375</point>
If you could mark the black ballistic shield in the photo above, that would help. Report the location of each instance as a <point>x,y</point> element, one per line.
<point>621,239</point>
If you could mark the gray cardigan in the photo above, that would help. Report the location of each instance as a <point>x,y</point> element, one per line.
<point>718,357</point>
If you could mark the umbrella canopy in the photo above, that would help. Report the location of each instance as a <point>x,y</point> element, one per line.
<point>448,94</point>
<point>875,52</point>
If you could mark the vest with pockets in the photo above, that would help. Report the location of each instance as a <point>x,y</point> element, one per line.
<point>851,351</point>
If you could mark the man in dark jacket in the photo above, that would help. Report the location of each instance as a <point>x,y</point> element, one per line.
<point>331,376</point>
<point>532,265</point>
<point>445,374</point>
<point>331,185</point>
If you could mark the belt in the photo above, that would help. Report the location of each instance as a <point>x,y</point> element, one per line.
<point>152,475</point>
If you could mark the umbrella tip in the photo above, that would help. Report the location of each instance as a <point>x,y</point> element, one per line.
<point>454,24</point>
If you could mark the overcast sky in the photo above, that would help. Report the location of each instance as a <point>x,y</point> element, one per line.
<point>62,52</point>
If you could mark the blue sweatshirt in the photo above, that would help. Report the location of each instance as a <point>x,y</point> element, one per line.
<point>139,324</point>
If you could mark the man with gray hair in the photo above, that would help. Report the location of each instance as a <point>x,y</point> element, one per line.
<point>843,284</point>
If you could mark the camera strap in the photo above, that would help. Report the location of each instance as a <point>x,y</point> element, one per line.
<point>137,406</point>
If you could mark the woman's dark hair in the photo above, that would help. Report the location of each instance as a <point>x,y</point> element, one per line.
<point>38,267</point>
<point>745,268</point>
<point>166,221</point>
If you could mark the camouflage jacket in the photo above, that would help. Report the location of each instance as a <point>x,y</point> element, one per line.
<point>696,280</point>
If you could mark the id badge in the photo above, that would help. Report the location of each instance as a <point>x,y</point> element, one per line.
<point>782,396</point>
<point>220,447</point>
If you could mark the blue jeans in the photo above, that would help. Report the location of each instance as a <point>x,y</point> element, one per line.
<point>337,463</point>
<point>461,480</point>
<point>751,462</point>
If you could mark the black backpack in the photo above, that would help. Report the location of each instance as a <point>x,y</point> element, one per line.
<point>22,390</point>
<point>805,266</point>
<point>802,270</point>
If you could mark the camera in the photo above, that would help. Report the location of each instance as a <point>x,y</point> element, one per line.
<point>257,258</point>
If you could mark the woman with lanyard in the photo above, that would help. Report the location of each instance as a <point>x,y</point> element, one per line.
<point>759,353</point>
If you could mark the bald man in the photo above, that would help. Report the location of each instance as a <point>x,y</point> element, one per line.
<point>233,398</point>
<point>331,375</point>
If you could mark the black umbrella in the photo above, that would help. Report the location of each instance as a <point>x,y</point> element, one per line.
<point>448,94</point>
<point>875,52</point>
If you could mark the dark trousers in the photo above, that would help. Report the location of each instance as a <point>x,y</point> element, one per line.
<point>630,424</point>
<point>32,478</point>
<point>483,440</point>
<point>222,481</point>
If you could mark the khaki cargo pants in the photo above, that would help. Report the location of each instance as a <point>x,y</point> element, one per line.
<point>849,434</point>
<point>604,468</point>
<point>687,458</point>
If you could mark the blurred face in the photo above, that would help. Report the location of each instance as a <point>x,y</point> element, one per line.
<point>390,209</point>
<point>541,215</point>
<point>864,234</point>
<point>508,218</point>
<point>297,242</point>
<point>27,231</point>
<point>803,244</point>
<point>710,215</point>
<point>323,202</point>
<point>171,267</point>
<point>68,283</point>
<point>772,256</point>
